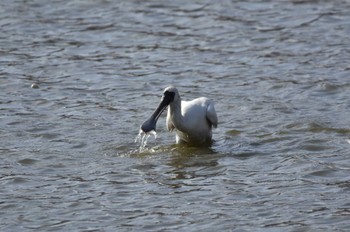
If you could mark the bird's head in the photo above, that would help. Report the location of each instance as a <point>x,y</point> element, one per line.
<point>170,95</point>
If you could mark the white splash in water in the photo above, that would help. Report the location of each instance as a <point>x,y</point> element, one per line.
<point>142,138</point>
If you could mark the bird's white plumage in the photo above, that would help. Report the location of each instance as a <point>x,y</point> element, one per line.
<point>191,120</point>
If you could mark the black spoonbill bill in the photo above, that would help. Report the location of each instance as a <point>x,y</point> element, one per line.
<point>191,120</point>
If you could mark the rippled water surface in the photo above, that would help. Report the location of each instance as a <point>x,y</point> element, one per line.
<point>78,78</point>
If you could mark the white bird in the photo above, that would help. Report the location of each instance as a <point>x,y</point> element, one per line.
<point>191,120</point>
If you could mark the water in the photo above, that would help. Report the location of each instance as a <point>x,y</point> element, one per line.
<point>79,77</point>
<point>142,139</point>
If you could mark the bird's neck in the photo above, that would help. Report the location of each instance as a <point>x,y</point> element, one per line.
<point>176,114</point>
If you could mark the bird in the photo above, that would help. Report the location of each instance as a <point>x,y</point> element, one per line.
<point>192,121</point>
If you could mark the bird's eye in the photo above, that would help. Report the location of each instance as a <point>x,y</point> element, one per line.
<point>170,95</point>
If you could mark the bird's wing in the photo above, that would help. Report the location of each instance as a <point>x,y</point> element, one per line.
<point>211,114</point>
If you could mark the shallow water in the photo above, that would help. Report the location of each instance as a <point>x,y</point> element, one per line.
<point>79,77</point>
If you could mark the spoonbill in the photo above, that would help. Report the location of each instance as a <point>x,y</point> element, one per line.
<point>192,121</point>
